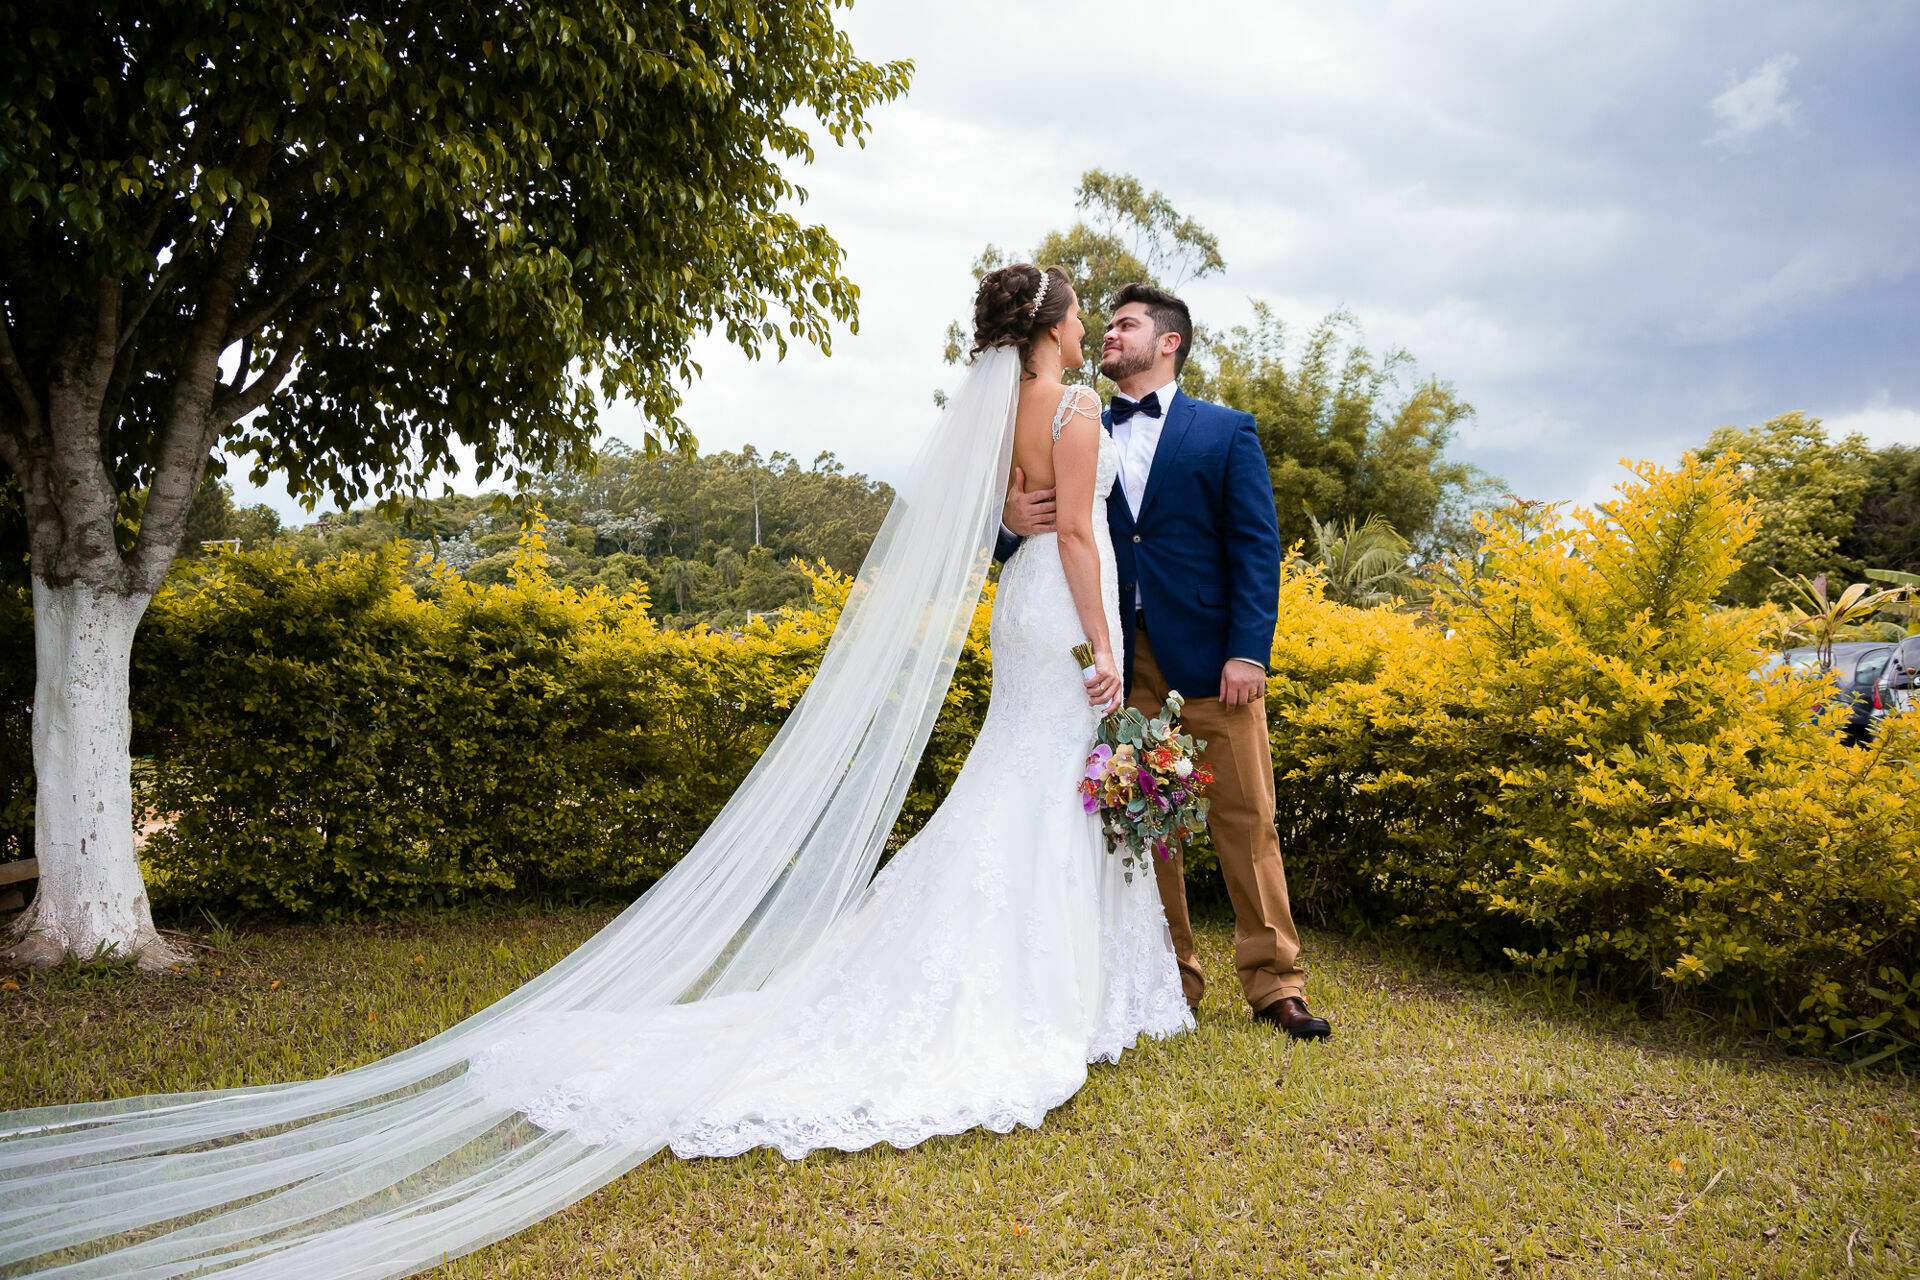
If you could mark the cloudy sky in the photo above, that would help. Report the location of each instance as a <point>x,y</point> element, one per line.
<point>1612,226</point>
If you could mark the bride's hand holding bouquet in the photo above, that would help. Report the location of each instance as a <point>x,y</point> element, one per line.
<point>1101,673</point>
<point>1145,780</point>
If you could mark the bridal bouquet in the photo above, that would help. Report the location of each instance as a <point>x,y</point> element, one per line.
<point>1145,780</point>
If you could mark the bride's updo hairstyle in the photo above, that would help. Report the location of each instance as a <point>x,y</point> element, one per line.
<point>1004,311</point>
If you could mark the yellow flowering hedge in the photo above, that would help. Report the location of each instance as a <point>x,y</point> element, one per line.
<point>1569,765</point>
<point>324,739</point>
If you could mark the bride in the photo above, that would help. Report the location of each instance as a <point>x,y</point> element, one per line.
<point>770,990</point>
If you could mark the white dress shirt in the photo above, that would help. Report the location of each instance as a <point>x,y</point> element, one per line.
<point>1138,437</point>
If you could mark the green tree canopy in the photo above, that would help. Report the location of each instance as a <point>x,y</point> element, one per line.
<point>1806,489</point>
<point>702,503</point>
<point>344,240</point>
<point>1361,564</point>
<point>1886,527</point>
<point>737,521</point>
<point>456,224</point>
<point>1350,436</point>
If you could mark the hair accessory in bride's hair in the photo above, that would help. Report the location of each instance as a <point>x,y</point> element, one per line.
<point>1040,296</point>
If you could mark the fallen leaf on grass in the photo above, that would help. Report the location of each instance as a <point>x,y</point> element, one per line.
<point>274,985</point>
<point>1676,1165</point>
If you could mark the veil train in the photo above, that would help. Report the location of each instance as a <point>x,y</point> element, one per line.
<point>403,1163</point>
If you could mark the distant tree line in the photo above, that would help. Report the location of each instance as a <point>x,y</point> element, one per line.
<point>713,538</point>
<point>710,538</point>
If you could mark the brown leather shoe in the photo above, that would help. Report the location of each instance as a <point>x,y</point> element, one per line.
<point>1291,1015</point>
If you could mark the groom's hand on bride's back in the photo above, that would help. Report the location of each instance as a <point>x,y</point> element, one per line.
<point>1027,513</point>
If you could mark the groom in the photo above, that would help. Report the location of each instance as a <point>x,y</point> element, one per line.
<point>1198,550</point>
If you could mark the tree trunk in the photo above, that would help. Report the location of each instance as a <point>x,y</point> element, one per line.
<point>91,899</point>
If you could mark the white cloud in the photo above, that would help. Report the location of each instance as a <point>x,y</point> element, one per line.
<point>1882,422</point>
<point>1757,103</point>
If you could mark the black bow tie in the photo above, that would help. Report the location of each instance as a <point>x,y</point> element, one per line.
<point>1123,408</point>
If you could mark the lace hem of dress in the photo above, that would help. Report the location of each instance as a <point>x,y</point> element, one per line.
<point>855,1130</point>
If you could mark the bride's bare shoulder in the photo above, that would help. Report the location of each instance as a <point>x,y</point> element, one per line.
<point>1047,391</point>
<point>1055,396</point>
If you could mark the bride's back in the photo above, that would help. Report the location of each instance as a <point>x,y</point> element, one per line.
<point>1033,431</point>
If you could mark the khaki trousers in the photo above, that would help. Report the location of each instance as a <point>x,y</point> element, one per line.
<point>1266,947</point>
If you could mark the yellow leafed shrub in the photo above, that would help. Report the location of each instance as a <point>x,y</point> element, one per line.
<point>1576,770</point>
<point>324,739</point>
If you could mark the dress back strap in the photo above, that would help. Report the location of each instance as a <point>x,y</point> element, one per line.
<point>1072,401</point>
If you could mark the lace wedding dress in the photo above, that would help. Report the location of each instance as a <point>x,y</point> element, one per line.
<point>998,954</point>
<point>768,990</point>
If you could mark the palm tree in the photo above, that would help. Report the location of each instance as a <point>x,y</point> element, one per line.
<point>728,564</point>
<point>682,577</point>
<point>1363,565</point>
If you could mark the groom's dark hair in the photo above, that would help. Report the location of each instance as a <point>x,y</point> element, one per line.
<point>1170,315</point>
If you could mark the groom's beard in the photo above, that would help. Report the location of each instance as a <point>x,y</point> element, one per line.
<point>1116,367</point>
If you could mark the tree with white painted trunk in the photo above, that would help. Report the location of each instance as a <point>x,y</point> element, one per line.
<point>338,241</point>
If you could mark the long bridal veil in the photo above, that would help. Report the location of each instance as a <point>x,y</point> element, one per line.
<point>392,1167</point>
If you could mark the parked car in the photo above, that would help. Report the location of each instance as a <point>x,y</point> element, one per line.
<point>1857,677</point>
<point>1857,664</point>
<point>1897,691</point>
<point>1808,658</point>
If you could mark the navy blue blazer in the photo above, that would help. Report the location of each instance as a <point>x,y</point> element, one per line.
<point>1205,550</point>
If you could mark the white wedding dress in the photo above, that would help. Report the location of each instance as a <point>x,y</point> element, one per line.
<point>769,990</point>
<point>999,953</point>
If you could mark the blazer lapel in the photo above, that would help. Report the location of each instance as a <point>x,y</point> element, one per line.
<point>1179,418</point>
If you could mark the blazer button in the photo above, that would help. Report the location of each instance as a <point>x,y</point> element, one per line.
<point>1136,537</point>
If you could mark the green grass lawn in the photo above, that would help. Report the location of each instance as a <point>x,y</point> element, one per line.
<point>1451,1128</point>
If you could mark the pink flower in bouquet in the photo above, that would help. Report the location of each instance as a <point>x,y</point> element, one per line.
<point>1097,761</point>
